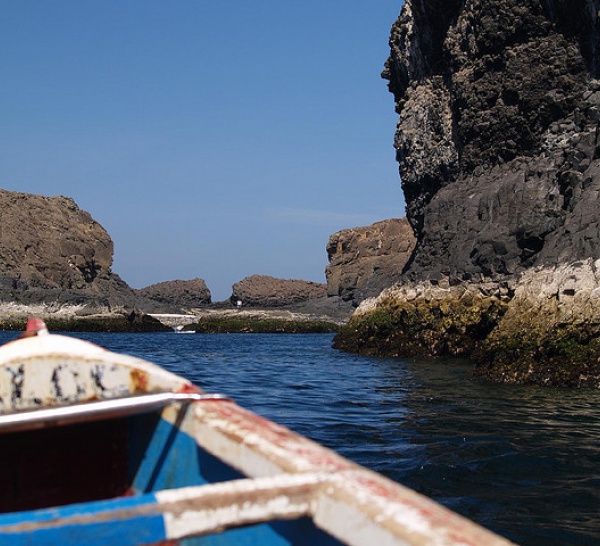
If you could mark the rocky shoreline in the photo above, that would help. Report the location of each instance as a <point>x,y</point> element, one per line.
<point>259,321</point>
<point>78,319</point>
<point>543,328</point>
<point>201,320</point>
<point>498,259</point>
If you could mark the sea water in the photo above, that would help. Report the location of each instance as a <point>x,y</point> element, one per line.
<point>522,461</point>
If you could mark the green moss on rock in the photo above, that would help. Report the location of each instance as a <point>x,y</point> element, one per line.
<point>13,324</point>
<point>134,322</point>
<point>261,326</point>
<point>565,355</point>
<point>422,327</point>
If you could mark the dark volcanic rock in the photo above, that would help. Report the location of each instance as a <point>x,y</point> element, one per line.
<point>365,260</point>
<point>181,294</point>
<point>265,291</point>
<point>497,139</point>
<point>51,250</point>
<point>499,151</point>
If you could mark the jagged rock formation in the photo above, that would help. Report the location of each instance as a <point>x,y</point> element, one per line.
<point>499,104</point>
<point>497,139</point>
<point>266,291</point>
<point>365,260</point>
<point>51,250</point>
<point>181,294</point>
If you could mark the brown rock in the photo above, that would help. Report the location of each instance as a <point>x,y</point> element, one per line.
<point>265,291</point>
<point>178,293</point>
<point>365,260</point>
<point>51,250</point>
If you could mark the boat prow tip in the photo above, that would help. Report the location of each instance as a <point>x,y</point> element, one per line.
<point>35,327</point>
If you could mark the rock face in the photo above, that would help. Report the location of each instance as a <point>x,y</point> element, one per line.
<point>50,249</point>
<point>499,104</point>
<point>365,260</point>
<point>550,333</point>
<point>265,291</point>
<point>181,294</point>
<point>497,139</point>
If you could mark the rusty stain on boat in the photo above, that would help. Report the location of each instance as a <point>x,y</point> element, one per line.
<point>139,381</point>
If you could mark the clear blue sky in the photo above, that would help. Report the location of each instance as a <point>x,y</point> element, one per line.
<point>211,139</point>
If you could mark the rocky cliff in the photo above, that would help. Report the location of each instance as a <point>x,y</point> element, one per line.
<point>497,141</point>
<point>52,251</point>
<point>365,260</point>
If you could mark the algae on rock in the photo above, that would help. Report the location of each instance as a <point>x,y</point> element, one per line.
<point>436,322</point>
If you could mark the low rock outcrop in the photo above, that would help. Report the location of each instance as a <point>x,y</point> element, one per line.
<point>425,320</point>
<point>365,260</point>
<point>550,333</point>
<point>265,291</point>
<point>178,294</point>
<point>499,152</point>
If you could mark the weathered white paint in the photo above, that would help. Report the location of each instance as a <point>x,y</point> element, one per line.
<point>211,508</point>
<point>259,447</point>
<point>48,370</point>
<point>351,526</point>
<point>93,411</point>
<point>359,507</point>
<point>380,512</point>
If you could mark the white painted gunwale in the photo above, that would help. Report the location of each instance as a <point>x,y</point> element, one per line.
<point>48,370</point>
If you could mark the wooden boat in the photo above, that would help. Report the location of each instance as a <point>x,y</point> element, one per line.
<point>99,448</point>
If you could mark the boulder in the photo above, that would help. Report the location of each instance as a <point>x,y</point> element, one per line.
<point>266,291</point>
<point>178,294</point>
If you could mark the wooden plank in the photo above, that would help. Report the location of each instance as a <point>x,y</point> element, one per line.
<point>166,515</point>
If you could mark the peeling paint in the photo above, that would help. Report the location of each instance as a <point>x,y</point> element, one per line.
<point>139,381</point>
<point>16,384</point>
<point>51,369</point>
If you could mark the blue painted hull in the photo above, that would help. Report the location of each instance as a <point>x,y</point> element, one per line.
<point>159,457</point>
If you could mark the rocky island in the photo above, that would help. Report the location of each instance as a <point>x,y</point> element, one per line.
<point>55,262</point>
<point>497,141</point>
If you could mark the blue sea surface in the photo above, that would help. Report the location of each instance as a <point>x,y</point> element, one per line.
<point>522,461</point>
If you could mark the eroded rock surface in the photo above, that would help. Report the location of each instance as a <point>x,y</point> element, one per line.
<point>497,138</point>
<point>365,260</point>
<point>179,293</point>
<point>266,291</point>
<point>51,250</point>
